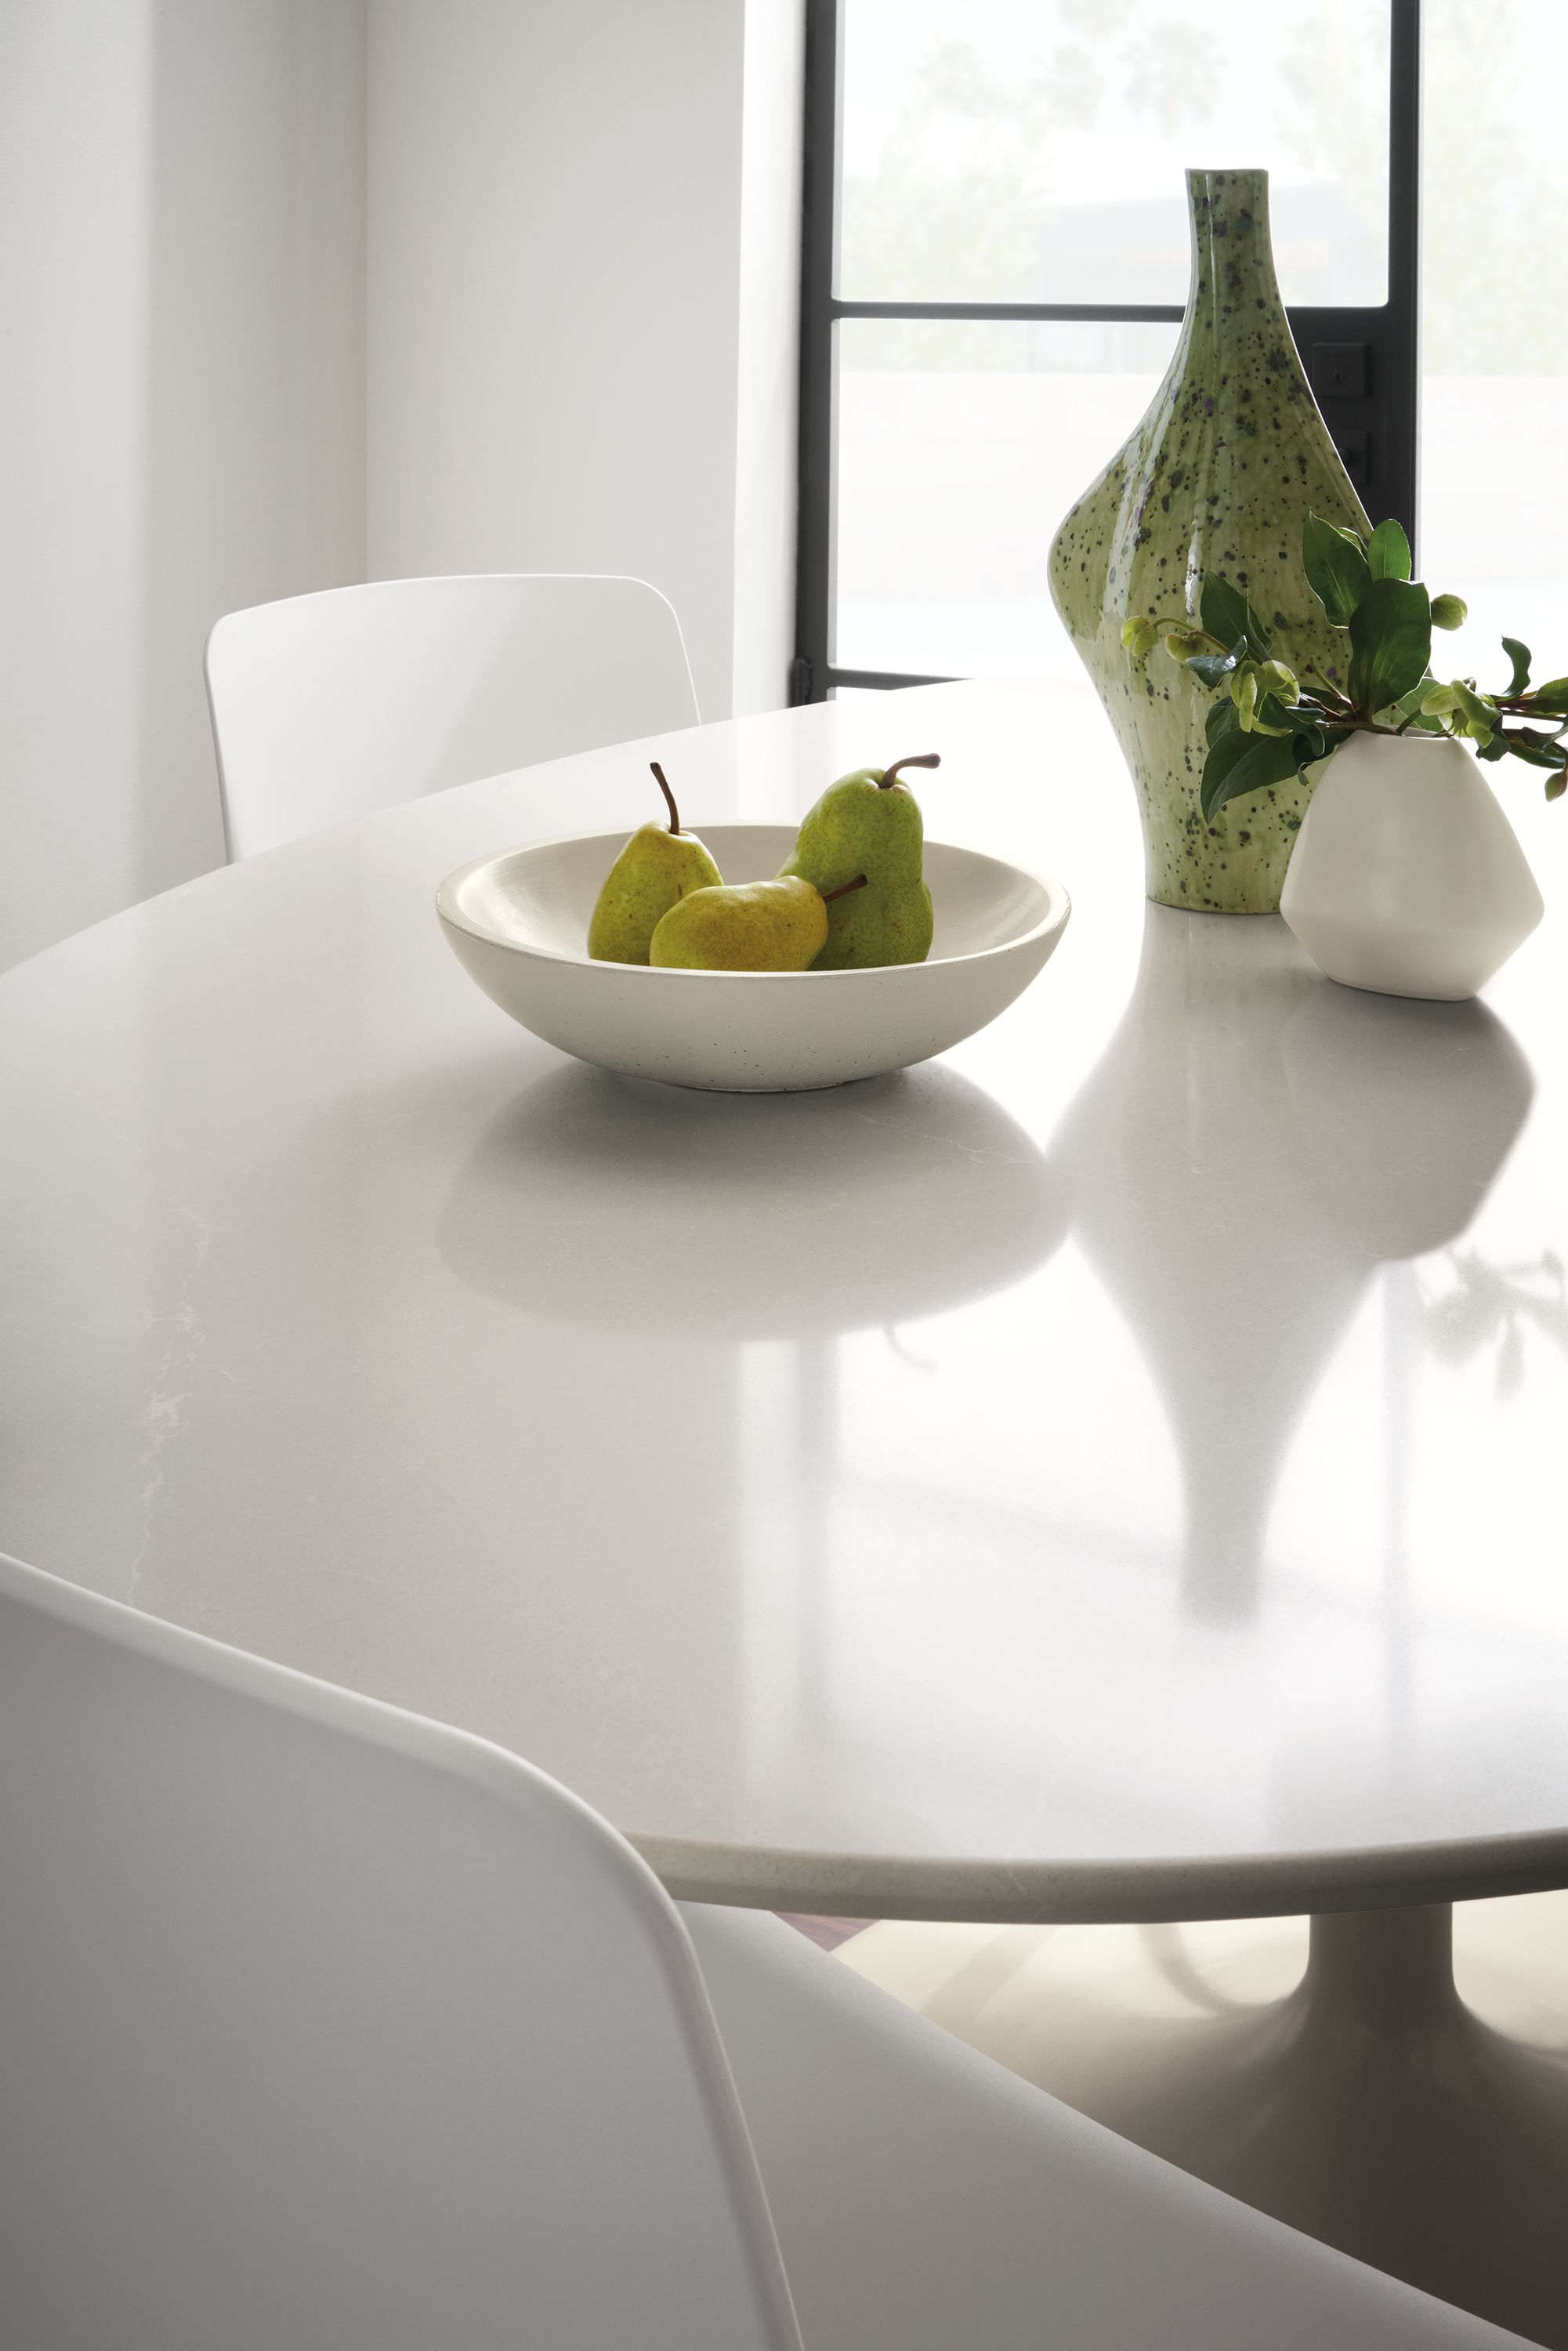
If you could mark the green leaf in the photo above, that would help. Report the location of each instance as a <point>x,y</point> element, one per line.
<point>1390,642</point>
<point>1323,748</point>
<point>1519,656</point>
<point>1413,718</point>
<point>1222,757</point>
<point>1535,750</point>
<point>1244,693</point>
<point>1225,614</point>
<point>1493,749</point>
<point>1477,714</point>
<point>1239,764</point>
<point>1388,552</point>
<point>1336,566</point>
<point>1273,717</point>
<point>1222,719</point>
<point>1550,699</point>
<point>1215,668</point>
<point>1557,785</point>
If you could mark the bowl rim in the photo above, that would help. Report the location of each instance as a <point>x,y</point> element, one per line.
<point>1058,907</point>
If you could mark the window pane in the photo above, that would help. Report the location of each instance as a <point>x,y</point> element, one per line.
<point>1032,151</point>
<point>1494,417</point>
<point>960,448</point>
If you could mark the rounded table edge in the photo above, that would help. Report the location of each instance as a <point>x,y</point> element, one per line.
<point>1124,1893</point>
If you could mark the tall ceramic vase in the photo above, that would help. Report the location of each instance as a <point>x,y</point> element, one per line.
<point>1219,476</point>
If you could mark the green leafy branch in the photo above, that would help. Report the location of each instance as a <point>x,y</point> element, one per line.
<point>1267,725</point>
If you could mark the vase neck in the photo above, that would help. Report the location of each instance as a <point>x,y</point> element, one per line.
<point>1233,258</point>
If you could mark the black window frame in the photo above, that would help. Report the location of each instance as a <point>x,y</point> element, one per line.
<point>1376,427</point>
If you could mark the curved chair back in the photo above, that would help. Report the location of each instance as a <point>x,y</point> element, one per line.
<point>333,706</point>
<point>321,2025</point>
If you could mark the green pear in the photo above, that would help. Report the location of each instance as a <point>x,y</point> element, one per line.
<point>655,872</point>
<point>868,823</point>
<point>747,926</point>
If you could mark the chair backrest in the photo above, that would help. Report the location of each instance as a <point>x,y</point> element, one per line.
<point>322,2025</point>
<point>333,706</point>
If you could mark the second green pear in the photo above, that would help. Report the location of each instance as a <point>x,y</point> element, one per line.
<point>868,823</point>
<point>744,926</point>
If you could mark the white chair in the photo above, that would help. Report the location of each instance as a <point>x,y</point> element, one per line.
<point>333,706</point>
<point>323,2028</point>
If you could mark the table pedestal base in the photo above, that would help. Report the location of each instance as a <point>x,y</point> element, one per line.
<point>1366,2103</point>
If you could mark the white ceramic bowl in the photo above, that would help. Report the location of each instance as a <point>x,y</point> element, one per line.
<point>518,922</point>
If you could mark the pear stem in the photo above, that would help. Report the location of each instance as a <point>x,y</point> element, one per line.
<point>924,760</point>
<point>844,888</point>
<point>669,796</point>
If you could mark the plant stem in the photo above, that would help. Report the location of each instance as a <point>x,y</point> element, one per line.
<point>1191,629</point>
<point>1519,706</point>
<point>845,887</point>
<point>669,796</point>
<point>921,760</point>
<point>1326,686</point>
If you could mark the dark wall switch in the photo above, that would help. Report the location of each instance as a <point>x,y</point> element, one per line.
<point>1356,455</point>
<point>1339,370</point>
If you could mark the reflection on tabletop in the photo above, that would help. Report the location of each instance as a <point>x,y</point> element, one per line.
<point>1253,1144</point>
<point>614,1204</point>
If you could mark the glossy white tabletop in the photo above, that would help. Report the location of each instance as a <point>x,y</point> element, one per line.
<point>1113,1471</point>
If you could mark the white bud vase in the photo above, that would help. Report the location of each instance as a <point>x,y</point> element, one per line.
<point>1406,877</point>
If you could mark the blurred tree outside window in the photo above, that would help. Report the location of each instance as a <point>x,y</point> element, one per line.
<point>1032,151</point>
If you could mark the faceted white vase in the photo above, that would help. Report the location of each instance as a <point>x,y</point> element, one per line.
<point>1406,877</point>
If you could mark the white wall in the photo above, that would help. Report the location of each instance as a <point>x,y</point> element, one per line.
<point>298,292</point>
<point>74,204</point>
<point>580,335</point>
<point>181,409</point>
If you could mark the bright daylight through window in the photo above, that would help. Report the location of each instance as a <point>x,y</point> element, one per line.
<point>1031,151</point>
<point>1035,153</point>
<point>1494,393</point>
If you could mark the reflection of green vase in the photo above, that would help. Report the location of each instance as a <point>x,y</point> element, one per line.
<point>1184,1161</point>
<point>1217,477</point>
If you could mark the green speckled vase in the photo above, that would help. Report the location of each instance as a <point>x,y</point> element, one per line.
<point>1217,477</point>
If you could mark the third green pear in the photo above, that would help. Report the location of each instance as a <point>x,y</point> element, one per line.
<point>868,822</point>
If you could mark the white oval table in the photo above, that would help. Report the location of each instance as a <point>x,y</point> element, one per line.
<point>1110,1474</point>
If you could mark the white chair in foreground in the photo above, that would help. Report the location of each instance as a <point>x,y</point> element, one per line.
<point>333,706</point>
<point>323,2028</point>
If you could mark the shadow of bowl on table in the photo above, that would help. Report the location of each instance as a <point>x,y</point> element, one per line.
<point>612,1204</point>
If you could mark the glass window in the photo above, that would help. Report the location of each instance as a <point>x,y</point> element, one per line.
<point>1030,155</point>
<point>961,445</point>
<point>1032,151</point>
